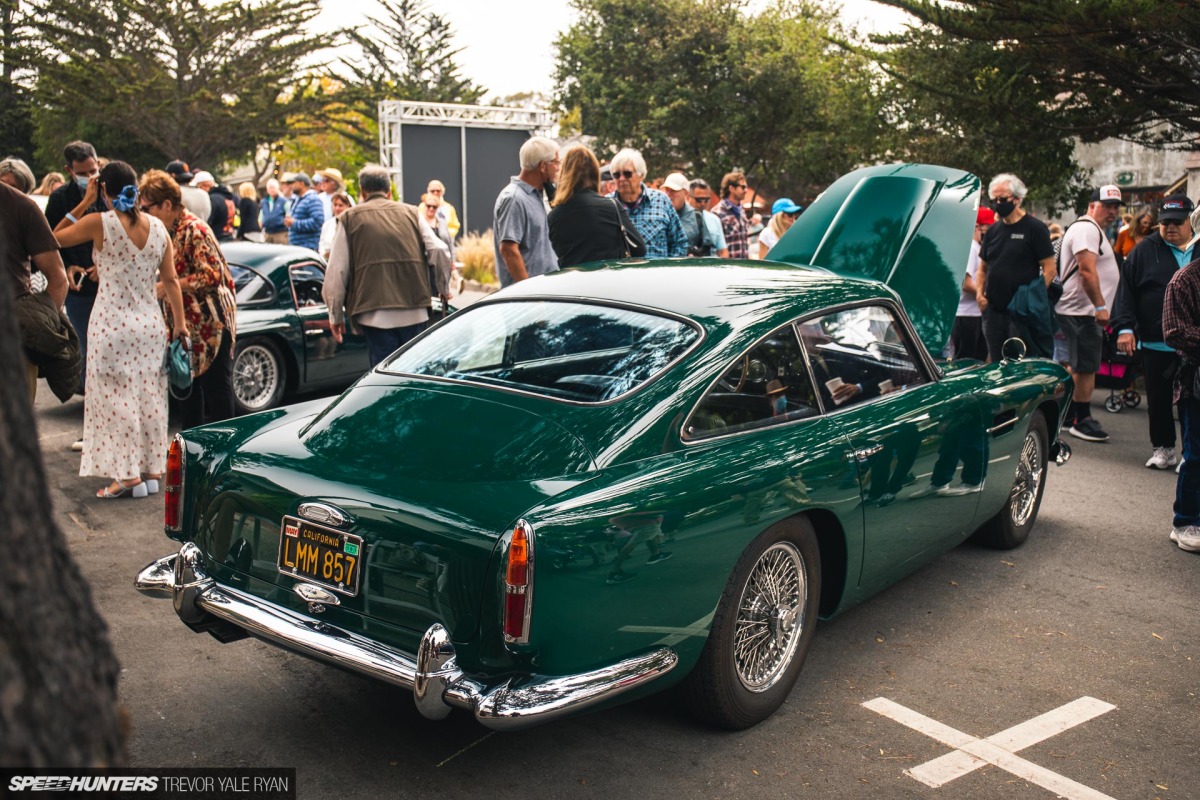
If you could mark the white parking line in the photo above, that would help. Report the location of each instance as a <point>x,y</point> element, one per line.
<point>999,750</point>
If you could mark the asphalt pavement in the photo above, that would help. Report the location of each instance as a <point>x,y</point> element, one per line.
<point>1068,667</point>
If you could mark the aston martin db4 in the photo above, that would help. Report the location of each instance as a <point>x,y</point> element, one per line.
<point>628,476</point>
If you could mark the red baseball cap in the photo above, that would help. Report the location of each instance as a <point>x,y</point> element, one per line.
<point>985,217</point>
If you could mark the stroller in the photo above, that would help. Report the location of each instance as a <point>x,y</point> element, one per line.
<point>1117,373</point>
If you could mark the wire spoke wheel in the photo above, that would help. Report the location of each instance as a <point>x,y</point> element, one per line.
<point>770,617</point>
<point>1030,471</point>
<point>257,377</point>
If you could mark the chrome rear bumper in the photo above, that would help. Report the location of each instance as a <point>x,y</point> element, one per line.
<point>438,685</point>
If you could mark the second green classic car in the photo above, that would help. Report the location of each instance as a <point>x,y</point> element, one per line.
<point>614,479</point>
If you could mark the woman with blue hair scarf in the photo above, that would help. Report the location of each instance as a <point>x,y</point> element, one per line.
<point>125,408</point>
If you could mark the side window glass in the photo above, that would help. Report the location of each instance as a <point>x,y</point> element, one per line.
<point>307,281</point>
<point>859,354</point>
<point>766,385</point>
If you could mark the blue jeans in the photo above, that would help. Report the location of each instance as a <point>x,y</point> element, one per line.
<point>1187,486</point>
<point>79,311</point>
<point>382,342</point>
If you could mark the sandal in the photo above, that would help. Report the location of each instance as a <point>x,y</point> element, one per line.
<point>134,490</point>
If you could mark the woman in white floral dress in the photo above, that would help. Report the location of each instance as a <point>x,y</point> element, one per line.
<point>125,409</point>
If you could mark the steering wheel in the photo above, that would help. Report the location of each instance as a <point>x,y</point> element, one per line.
<point>725,383</point>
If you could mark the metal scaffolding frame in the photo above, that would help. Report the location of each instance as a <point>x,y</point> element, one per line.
<point>394,114</point>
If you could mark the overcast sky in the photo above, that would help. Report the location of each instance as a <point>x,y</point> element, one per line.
<point>488,31</point>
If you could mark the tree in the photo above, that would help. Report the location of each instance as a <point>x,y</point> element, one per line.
<point>1106,68</point>
<point>16,128</point>
<point>970,105</point>
<point>704,86</point>
<point>410,57</point>
<point>58,672</point>
<point>205,83</point>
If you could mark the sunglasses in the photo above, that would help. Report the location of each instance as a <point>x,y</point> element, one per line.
<point>741,186</point>
<point>624,173</point>
<point>701,198</point>
<point>1171,223</point>
<point>147,206</point>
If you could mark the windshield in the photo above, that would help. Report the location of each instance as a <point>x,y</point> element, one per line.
<point>570,351</point>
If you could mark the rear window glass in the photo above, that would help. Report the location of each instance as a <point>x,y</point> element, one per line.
<point>570,351</point>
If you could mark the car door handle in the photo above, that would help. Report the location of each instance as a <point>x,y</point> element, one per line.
<point>864,453</point>
<point>314,331</point>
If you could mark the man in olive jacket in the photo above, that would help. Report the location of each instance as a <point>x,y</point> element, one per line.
<point>384,267</point>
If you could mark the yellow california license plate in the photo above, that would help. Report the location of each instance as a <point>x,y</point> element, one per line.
<point>320,555</point>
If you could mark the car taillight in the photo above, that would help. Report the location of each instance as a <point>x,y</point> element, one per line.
<point>518,585</point>
<point>173,486</point>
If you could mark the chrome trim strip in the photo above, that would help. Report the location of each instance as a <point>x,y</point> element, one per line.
<point>1008,423</point>
<point>433,676</point>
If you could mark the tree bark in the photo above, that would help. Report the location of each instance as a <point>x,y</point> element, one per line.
<point>58,671</point>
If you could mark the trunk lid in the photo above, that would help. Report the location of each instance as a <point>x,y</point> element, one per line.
<point>429,478</point>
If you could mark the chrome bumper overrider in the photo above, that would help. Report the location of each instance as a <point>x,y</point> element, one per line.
<point>438,685</point>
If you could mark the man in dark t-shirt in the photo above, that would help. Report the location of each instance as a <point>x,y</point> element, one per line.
<point>1013,252</point>
<point>25,236</point>
<point>82,165</point>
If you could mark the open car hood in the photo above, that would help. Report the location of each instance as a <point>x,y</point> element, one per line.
<point>908,225</point>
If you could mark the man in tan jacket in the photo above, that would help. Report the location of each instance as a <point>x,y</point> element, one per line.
<point>384,267</point>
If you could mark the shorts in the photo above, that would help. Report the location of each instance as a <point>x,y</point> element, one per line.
<point>1084,340</point>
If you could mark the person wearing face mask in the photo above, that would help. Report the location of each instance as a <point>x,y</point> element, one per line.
<point>522,234</point>
<point>1013,252</point>
<point>82,280</point>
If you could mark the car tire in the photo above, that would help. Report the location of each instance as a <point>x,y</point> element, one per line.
<point>760,635</point>
<point>259,375</point>
<point>1010,528</point>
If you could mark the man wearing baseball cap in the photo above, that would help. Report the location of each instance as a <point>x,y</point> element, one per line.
<point>1181,330</point>
<point>195,200</point>
<point>1089,274</point>
<point>1138,316</point>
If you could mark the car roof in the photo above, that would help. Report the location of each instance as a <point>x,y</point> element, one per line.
<point>266,257</point>
<point>717,294</point>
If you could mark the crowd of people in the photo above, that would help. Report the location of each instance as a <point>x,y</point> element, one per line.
<point>130,264</point>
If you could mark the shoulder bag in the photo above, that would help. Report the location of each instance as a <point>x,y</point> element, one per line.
<point>626,239</point>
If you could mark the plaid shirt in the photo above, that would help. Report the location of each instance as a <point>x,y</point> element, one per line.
<point>1181,320</point>
<point>733,222</point>
<point>658,222</point>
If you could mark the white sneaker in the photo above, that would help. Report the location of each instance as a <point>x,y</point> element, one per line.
<point>1163,458</point>
<point>1188,538</point>
<point>1179,466</point>
<point>77,445</point>
<point>961,489</point>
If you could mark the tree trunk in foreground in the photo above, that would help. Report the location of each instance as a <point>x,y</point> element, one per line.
<point>58,672</point>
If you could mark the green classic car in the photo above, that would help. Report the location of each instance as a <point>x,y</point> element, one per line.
<point>618,478</point>
<point>284,344</point>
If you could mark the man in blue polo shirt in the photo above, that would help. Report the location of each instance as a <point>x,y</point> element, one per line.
<point>1138,317</point>
<point>519,226</point>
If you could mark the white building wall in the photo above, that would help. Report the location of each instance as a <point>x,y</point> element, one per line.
<point>1131,166</point>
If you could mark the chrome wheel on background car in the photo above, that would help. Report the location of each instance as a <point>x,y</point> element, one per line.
<point>770,617</point>
<point>258,376</point>
<point>761,630</point>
